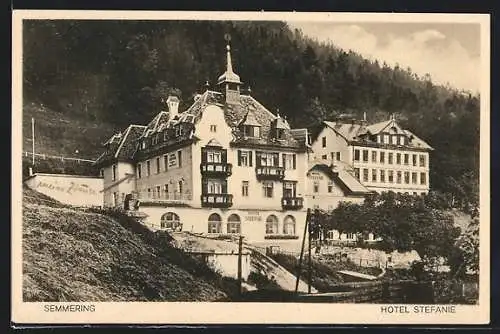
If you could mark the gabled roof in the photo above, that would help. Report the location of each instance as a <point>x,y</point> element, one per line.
<point>349,131</point>
<point>123,149</point>
<point>249,119</point>
<point>347,182</point>
<point>378,127</point>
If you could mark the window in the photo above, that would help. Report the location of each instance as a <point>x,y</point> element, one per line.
<point>374,156</point>
<point>179,187</point>
<point>213,128</point>
<point>406,156</point>
<point>165,162</point>
<point>214,187</point>
<point>251,131</point>
<point>382,176</point>
<point>139,171</point>
<point>422,160</point>
<point>398,158</point>
<point>172,160</point>
<point>374,175</point>
<point>356,173</point>
<point>101,172</point>
<point>407,177</point>
<point>380,139</point>
<point>289,161</point>
<point>272,225</point>
<point>401,140</point>
<point>170,220</point>
<point>289,225</point>
<point>330,186</point>
<point>414,178</point>
<point>390,176</point>
<point>244,188</point>
<point>390,158</point>
<point>382,157</point>
<point>158,191</point>
<point>356,155</point>
<point>214,223</point>
<point>234,224</point>
<point>323,142</point>
<point>114,172</point>
<point>115,198</point>
<point>324,157</point>
<point>267,187</point>
<point>179,158</point>
<point>394,139</point>
<point>365,155</point>
<point>316,186</point>
<point>350,236</point>
<point>280,133</point>
<point>414,159</point>
<point>332,156</point>
<point>268,159</point>
<point>143,144</point>
<point>157,165</point>
<point>386,139</point>
<point>148,168</point>
<point>423,178</point>
<point>289,189</point>
<point>165,190</point>
<point>365,175</point>
<point>338,156</point>
<point>149,192</point>
<point>214,156</point>
<point>398,179</point>
<point>154,140</point>
<point>245,158</point>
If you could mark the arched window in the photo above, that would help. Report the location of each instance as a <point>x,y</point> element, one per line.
<point>289,225</point>
<point>234,224</point>
<point>214,223</point>
<point>272,225</point>
<point>170,220</point>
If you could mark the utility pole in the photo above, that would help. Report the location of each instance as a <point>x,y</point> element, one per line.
<point>309,266</point>
<point>302,250</point>
<point>240,251</point>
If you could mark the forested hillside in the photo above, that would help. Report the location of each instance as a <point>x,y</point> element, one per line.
<point>117,72</point>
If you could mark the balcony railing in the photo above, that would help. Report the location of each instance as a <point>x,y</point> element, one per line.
<point>216,200</point>
<point>270,172</point>
<point>145,198</point>
<point>216,168</point>
<point>292,203</point>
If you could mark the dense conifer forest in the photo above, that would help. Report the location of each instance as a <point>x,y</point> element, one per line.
<point>118,71</point>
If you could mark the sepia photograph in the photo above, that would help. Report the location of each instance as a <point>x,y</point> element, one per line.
<point>331,162</point>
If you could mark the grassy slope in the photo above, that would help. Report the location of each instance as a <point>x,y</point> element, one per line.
<point>59,134</point>
<point>71,255</point>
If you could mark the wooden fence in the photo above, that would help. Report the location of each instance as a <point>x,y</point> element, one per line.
<point>56,157</point>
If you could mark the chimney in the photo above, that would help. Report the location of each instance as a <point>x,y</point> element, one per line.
<point>173,106</point>
<point>364,116</point>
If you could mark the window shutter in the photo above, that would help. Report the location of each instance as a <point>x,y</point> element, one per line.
<point>224,187</point>
<point>294,161</point>
<point>239,157</point>
<point>224,156</point>
<point>203,155</point>
<point>250,158</point>
<point>257,159</point>
<point>283,156</point>
<point>204,187</point>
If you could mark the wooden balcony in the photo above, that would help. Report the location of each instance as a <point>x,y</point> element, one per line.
<point>220,169</point>
<point>270,173</point>
<point>164,199</point>
<point>292,203</point>
<point>216,200</point>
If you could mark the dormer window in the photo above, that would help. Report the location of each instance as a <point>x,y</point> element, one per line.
<point>251,131</point>
<point>165,135</point>
<point>280,134</point>
<point>143,144</point>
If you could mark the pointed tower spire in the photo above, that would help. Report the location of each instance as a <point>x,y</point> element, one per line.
<point>229,81</point>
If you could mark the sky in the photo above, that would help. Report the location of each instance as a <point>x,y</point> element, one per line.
<point>449,52</point>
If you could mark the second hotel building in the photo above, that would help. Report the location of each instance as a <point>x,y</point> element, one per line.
<point>226,165</point>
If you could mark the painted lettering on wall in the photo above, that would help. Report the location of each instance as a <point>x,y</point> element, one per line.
<point>71,188</point>
<point>253,216</point>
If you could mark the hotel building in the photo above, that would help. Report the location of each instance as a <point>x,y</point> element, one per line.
<point>382,156</point>
<point>226,165</point>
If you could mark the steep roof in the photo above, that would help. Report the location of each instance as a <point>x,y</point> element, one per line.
<point>349,184</point>
<point>347,130</point>
<point>123,149</point>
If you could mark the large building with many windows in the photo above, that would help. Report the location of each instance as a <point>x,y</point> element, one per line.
<point>382,156</point>
<point>226,165</point>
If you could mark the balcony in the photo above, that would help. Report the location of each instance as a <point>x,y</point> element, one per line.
<point>216,200</point>
<point>164,198</point>
<point>292,203</point>
<point>220,169</point>
<point>270,173</point>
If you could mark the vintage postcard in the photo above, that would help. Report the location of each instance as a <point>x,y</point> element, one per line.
<point>250,167</point>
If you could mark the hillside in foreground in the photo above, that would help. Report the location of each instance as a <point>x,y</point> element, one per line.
<point>71,255</point>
